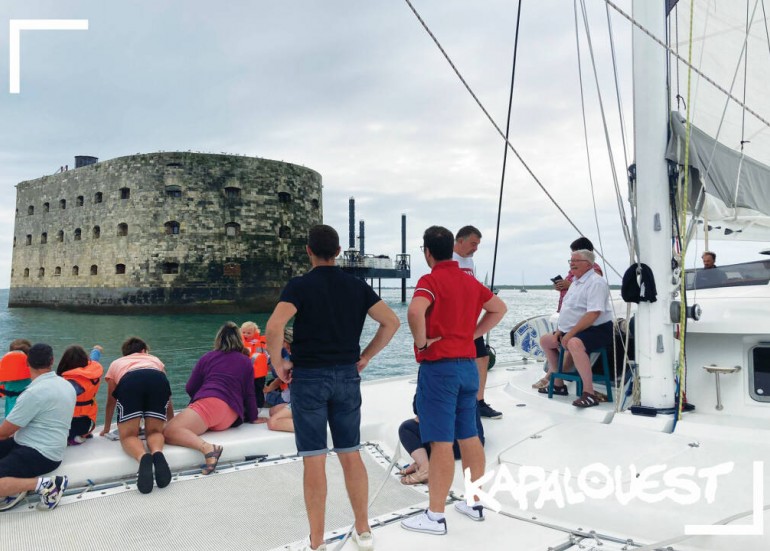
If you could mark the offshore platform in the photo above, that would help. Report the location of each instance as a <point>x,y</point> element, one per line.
<point>370,267</point>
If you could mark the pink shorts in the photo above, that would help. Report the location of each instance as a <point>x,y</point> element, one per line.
<point>215,413</point>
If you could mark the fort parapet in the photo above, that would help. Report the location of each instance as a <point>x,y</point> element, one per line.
<point>163,232</point>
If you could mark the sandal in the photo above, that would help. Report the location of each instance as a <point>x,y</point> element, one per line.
<point>215,454</point>
<point>542,383</point>
<point>587,400</point>
<point>408,469</point>
<point>415,478</point>
<point>560,390</point>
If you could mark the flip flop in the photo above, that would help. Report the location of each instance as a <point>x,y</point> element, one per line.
<point>542,383</point>
<point>162,470</point>
<point>144,480</point>
<point>415,478</point>
<point>409,469</point>
<point>215,454</point>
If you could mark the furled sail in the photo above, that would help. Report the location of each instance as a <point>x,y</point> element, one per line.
<point>729,142</point>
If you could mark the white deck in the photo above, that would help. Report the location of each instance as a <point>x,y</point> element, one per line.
<point>261,506</point>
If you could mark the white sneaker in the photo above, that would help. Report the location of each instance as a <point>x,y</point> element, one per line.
<point>476,512</point>
<point>364,540</point>
<point>305,546</point>
<point>7,503</point>
<point>423,523</point>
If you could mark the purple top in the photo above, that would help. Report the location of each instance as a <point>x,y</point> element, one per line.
<point>228,376</point>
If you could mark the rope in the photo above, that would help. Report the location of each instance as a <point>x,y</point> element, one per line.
<point>687,63</point>
<point>497,128</point>
<point>505,149</point>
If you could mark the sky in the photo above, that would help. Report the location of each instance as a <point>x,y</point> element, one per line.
<point>354,90</point>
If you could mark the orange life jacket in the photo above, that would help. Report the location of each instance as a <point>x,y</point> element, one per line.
<point>89,378</point>
<point>260,365</point>
<point>13,366</point>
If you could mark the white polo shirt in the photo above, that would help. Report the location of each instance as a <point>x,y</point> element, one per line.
<point>590,293</point>
<point>466,263</point>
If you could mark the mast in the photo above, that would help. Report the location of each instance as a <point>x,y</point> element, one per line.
<point>655,351</point>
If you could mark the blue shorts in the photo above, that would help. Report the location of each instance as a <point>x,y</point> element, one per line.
<point>446,399</point>
<point>22,461</point>
<point>321,395</point>
<point>596,336</point>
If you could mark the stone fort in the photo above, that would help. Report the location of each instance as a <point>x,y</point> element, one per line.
<point>163,232</point>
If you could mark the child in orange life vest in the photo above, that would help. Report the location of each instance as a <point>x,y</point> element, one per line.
<point>84,372</point>
<point>257,347</point>
<point>14,372</point>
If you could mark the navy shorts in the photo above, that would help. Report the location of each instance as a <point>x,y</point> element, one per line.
<point>22,461</point>
<point>321,395</point>
<point>446,399</point>
<point>596,336</point>
<point>481,348</point>
<point>142,393</point>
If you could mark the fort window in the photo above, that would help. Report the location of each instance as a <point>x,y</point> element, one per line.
<point>284,197</point>
<point>62,204</point>
<point>232,229</point>
<point>94,269</point>
<point>122,230</point>
<point>125,193</point>
<point>43,238</point>
<point>98,197</point>
<point>315,204</point>
<point>97,232</point>
<point>232,193</point>
<point>41,272</point>
<point>29,239</point>
<point>46,207</point>
<point>284,232</point>
<point>26,272</point>
<point>60,236</point>
<point>172,228</point>
<point>173,191</point>
<point>170,268</point>
<point>75,270</point>
<point>78,232</point>
<point>14,241</point>
<point>31,210</point>
<point>57,271</point>
<point>120,269</point>
<point>79,201</point>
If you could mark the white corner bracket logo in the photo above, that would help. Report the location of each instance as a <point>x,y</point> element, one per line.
<point>756,528</point>
<point>18,25</point>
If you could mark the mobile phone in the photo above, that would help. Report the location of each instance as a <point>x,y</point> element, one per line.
<point>557,278</point>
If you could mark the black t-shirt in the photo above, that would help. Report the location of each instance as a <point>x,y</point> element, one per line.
<point>331,309</point>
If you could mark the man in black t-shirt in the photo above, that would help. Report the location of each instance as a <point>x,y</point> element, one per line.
<point>329,307</point>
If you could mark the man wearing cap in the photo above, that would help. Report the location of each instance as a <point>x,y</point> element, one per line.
<point>329,309</point>
<point>34,435</point>
<point>585,325</point>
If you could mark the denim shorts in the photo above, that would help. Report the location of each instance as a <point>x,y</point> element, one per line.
<point>321,395</point>
<point>446,399</point>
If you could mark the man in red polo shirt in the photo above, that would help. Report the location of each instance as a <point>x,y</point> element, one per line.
<point>442,317</point>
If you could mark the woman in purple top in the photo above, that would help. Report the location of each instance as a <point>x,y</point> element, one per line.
<point>221,389</point>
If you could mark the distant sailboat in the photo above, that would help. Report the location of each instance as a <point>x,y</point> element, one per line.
<point>522,289</point>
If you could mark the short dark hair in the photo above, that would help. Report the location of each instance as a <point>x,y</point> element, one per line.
<point>74,356</point>
<point>712,254</point>
<point>132,345</point>
<point>324,241</point>
<point>40,356</point>
<point>467,231</point>
<point>581,243</point>
<point>439,241</point>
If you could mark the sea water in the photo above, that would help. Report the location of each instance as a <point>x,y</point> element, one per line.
<point>180,339</point>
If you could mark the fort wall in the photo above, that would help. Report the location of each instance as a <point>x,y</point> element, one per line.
<point>170,231</point>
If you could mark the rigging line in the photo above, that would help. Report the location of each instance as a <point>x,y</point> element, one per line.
<point>505,148</point>
<point>764,18</point>
<point>613,168</point>
<point>743,116</point>
<point>682,368</point>
<point>497,128</point>
<point>708,79</point>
